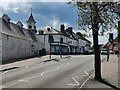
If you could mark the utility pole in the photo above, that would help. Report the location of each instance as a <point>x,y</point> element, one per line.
<point>61,41</point>
<point>50,40</point>
<point>50,50</point>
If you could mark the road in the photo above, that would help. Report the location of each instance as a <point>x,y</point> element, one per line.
<point>69,72</point>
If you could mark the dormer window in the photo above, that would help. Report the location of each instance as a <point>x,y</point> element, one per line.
<point>48,29</point>
<point>6,21</point>
<point>20,24</point>
<point>29,26</point>
<point>6,18</point>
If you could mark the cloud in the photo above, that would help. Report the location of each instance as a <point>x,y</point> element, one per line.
<point>55,23</point>
<point>14,6</point>
<point>36,0</point>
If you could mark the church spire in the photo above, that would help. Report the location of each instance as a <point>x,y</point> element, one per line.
<point>31,18</point>
<point>31,22</point>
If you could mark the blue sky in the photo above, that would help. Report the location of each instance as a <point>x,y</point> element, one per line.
<point>45,13</point>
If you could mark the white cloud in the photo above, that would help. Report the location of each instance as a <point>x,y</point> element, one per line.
<point>14,6</point>
<point>55,23</point>
<point>35,0</point>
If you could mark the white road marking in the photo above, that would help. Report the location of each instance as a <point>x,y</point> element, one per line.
<point>42,73</point>
<point>5,72</point>
<point>86,80</point>
<point>32,77</point>
<point>77,83</point>
<point>86,73</point>
<point>27,79</point>
<point>49,71</point>
<point>41,62</point>
<point>23,80</point>
<point>27,66</point>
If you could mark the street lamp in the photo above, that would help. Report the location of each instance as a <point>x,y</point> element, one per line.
<point>61,41</point>
<point>69,44</point>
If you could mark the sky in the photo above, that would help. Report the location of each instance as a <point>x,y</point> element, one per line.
<point>46,14</point>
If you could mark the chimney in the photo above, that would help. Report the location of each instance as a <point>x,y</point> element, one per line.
<point>41,32</point>
<point>48,29</point>
<point>62,28</point>
<point>79,34</point>
<point>69,29</point>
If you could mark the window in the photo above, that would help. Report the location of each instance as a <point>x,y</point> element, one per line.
<point>61,40</point>
<point>50,38</point>
<point>29,26</point>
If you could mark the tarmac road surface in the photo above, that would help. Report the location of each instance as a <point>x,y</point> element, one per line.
<point>69,72</point>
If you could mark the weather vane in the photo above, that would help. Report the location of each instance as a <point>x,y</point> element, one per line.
<point>31,10</point>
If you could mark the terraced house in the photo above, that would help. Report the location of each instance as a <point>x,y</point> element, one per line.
<point>17,42</point>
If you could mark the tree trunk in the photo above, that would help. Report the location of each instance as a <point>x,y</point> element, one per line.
<point>95,28</point>
<point>119,40</point>
<point>118,51</point>
<point>97,57</point>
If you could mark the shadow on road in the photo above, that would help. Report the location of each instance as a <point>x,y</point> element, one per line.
<point>14,60</point>
<point>109,84</point>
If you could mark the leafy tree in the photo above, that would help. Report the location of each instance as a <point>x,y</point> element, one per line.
<point>97,16</point>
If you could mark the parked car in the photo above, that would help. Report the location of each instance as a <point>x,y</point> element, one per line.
<point>91,51</point>
<point>86,52</point>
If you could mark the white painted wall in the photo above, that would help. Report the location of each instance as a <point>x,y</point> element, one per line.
<point>57,38</point>
<point>44,40</point>
<point>40,41</point>
<point>82,42</point>
<point>15,48</point>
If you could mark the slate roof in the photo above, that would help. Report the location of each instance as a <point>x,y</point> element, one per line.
<point>31,19</point>
<point>52,31</point>
<point>74,36</point>
<point>6,24</point>
<point>14,30</point>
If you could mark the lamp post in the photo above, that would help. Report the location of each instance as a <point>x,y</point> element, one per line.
<point>61,41</point>
<point>50,50</point>
<point>50,41</point>
<point>69,45</point>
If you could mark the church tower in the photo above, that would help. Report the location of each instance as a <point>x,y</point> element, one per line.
<point>31,23</point>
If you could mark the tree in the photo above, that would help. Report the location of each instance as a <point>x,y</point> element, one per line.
<point>119,40</point>
<point>97,16</point>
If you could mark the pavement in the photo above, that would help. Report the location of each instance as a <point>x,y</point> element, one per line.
<point>29,62</point>
<point>109,75</point>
